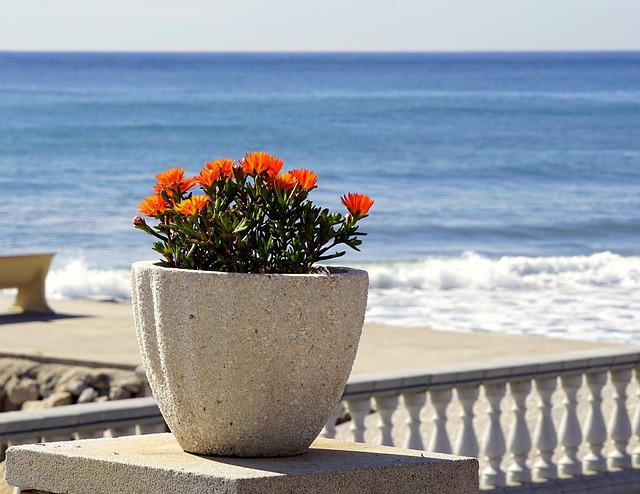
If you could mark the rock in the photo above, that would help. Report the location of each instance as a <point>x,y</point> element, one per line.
<point>20,390</point>
<point>46,392</point>
<point>101,399</point>
<point>33,405</point>
<point>76,387</point>
<point>58,399</point>
<point>88,395</point>
<point>98,379</point>
<point>53,378</point>
<point>118,393</point>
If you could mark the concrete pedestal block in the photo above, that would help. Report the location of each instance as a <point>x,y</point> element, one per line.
<point>155,464</point>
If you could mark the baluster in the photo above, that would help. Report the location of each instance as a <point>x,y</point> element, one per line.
<point>358,409</point>
<point>386,405</point>
<point>53,436</point>
<point>493,444</point>
<point>570,433</point>
<point>414,403</point>
<point>125,430</point>
<point>440,399</point>
<point>329,429</point>
<point>545,433</point>
<point>467,442</point>
<point>636,422</point>
<point>89,434</point>
<point>519,438</point>
<point>595,430</point>
<point>619,426</point>
<point>151,428</point>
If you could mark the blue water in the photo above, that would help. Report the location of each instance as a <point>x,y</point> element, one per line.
<point>498,178</point>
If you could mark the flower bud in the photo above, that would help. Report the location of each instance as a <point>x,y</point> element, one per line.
<point>138,221</point>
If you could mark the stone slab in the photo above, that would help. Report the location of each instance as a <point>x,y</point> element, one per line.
<point>155,464</point>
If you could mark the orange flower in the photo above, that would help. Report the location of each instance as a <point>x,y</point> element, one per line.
<point>192,206</point>
<point>224,165</point>
<point>174,179</point>
<point>306,178</point>
<point>357,204</point>
<point>287,181</point>
<point>261,163</point>
<point>153,206</point>
<point>208,177</point>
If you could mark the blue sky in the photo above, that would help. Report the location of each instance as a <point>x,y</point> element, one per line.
<point>326,25</point>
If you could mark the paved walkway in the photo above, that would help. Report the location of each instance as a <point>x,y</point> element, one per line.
<point>103,333</point>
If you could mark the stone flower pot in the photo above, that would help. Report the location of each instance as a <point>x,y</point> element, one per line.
<point>247,364</point>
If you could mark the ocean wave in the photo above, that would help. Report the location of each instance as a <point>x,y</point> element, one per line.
<point>470,271</point>
<point>594,297</point>
<point>476,272</point>
<point>76,280</point>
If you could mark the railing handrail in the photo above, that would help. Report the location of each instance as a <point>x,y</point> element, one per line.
<point>476,373</point>
<point>77,417</point>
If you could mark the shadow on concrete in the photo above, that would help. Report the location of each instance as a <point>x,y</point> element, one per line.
<point>23,317</point>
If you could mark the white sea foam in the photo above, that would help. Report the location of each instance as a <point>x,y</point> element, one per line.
<point>594,297</point>
<point>76,280</point>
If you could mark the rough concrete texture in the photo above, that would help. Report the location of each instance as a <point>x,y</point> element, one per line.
<point>156,464</point>
<point>247,364</point>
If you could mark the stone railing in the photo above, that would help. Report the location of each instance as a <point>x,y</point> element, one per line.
<point>536,422</point>
<point>83,421</point>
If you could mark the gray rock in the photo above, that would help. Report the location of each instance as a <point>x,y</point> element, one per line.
<point>118,393</point>
<point>21,390</point>
<point>88,395</point>
<point>33,405</point>
<point>58,399</point>
<point>76,387</point>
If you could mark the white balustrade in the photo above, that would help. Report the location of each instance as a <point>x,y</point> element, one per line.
<point>620,427</point>
<point>569,431</point>
<point>545,433</point>
<point>440,398</point>
<point>358,409</point>
<point>519,438</point>
<point>493,445</point>
<point>329,429</point>
<point>414,403</point>
<point>595,429</point>
<point>467,442</point>
<point>386,406</point>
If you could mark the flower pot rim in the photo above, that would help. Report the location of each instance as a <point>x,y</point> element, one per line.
<point>327,271</point>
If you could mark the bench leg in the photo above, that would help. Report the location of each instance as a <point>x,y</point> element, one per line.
<point>31,297</point>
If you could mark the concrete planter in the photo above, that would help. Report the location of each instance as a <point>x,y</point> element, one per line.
<point>247,364</point>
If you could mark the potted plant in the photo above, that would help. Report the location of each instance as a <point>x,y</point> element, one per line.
<point>247,341</point>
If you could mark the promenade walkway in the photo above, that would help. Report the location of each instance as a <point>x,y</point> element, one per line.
<point>85,331</point>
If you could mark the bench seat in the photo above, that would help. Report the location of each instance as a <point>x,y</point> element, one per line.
<point>27,273</point>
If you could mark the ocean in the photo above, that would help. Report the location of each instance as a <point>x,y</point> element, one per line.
<point>506,185</point>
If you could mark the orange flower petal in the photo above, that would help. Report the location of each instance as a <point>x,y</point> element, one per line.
<point>306,178</point>
<point>261,163</point>
<point>357,204</point>
<point>192,206</point>
<point>174,179</point>
<point>224,165</point>
<point>287,181</point>
<point>208,177</point>
<point>153,206</point>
